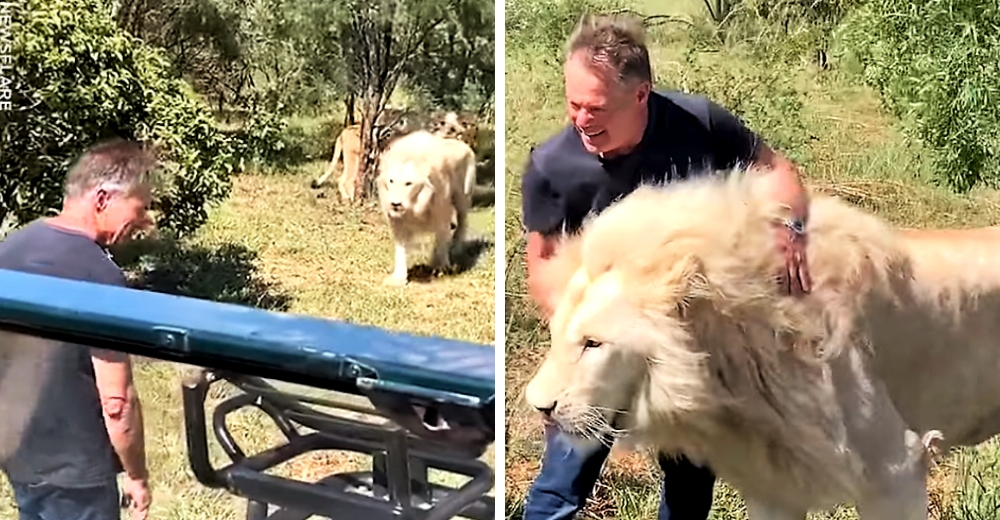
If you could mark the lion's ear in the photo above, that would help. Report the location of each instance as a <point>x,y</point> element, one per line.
<point>425,196</point>
<point>687,276</point>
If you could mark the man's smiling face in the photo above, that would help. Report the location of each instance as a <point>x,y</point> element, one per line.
<point>607,115</point>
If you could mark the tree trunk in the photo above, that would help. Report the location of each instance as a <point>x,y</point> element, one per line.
<point>349,105</point>
<point>372,105</point>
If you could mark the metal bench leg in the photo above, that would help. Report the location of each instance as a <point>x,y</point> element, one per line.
<point>256,510</point>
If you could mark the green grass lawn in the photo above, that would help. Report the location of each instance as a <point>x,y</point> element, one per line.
<point>848,146</point>
<point>276,243</point>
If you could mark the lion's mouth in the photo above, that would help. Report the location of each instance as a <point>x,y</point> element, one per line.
<point>396,210</point>
<point>605,430</point>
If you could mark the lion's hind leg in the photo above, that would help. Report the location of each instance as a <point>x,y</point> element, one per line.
<point>348,184</point>
<point>442,245</point>
<point>462,200</point>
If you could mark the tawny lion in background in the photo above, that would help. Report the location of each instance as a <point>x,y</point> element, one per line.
<point>672,334</point>
<point>423,180</point>
<point>454,126</point>
<point>346,150</point>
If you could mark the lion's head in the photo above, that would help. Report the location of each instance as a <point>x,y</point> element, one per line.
<point>672,319</point>
<point>455,126</point>
<point>405,184</point>
<point>404,189</point>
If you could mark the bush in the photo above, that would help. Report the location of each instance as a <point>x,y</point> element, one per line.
<point>544,26</point>
<point>789,29</point>
<point>80,80</point>
<point>762,94</point>
<point>936,64</point>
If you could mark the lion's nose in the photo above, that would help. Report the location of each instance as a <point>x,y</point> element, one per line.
<point>547,410</point>
<point>396,205</point>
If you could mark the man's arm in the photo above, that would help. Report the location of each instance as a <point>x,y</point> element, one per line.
<point>539,251</point>
<point>122,410</point>
<point>786,183</point>
<point>543,211</point>
<point>738,144</point>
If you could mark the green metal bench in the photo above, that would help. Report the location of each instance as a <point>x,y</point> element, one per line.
<point>319,380</point>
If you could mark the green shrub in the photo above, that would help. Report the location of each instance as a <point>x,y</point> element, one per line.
<point>544,26</point>
<point>936,64</point>
<point>80,80</point>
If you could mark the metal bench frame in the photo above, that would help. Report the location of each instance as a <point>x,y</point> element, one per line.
<point>397,373</point>
<point>396,488</point>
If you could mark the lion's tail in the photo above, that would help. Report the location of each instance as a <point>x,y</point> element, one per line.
<point>338,151</point>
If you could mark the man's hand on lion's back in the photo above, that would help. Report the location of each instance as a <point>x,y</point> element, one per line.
<point>795,278</point>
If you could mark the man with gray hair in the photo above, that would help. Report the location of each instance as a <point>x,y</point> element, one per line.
<point>86,423</point>
<point>622,135</point>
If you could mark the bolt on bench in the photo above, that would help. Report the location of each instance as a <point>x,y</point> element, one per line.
<point>411,403</point>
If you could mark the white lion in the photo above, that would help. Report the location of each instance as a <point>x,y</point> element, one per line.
<point>671,333</point>
<point>423,181</point>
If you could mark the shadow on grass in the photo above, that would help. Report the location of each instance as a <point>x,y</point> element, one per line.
<point>226,273</point>
<point>463,258</point>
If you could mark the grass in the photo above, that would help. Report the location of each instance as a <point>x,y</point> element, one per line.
<point>277,244</point>
<point>845,143</point>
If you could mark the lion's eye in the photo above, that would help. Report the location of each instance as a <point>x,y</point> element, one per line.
<point>590,343</point>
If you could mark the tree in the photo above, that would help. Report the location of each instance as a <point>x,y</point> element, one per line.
<point>79,79</point>
<point>380,39</point>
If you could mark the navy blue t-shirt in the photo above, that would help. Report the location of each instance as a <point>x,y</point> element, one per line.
<point>65,441</point>
<point>686,135</point>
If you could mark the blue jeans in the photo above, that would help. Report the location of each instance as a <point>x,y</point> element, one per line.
<point>568,475</point>
<point>48,502</point>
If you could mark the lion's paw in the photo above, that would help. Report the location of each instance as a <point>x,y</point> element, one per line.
<point>394,280</point>
<point>930,440</point>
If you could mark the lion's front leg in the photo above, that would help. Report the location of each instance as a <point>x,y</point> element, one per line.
<point>757,510</point>
<point>900,493</point>
<point>401,242</point>
<point>895,456</point>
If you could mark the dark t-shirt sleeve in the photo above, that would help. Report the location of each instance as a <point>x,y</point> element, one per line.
<point>109,274</point>
<point>735,144</point>
<point>543,208</point>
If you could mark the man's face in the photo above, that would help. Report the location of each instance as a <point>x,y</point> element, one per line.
<point>120,213</point>
<point>607,115</point>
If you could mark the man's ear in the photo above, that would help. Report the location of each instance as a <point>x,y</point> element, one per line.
<point>101,199</point>
<point>642,93</point>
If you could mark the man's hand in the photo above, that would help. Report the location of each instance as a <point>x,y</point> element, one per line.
<point>785,186</point>
<point>137,497</point>
<point>794,279</point>
<point>540,281</point>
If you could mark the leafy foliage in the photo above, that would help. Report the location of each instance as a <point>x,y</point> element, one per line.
<point>761,94</point>
<point>380,44</point>
<point>544,26</point>
<point>456,66</point>
<point>786,29</point>
<point>79,80</point>
<point>937,65</point>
